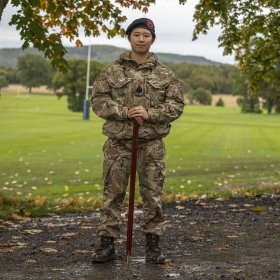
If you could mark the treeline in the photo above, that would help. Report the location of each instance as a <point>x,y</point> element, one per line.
<point>199,82</point>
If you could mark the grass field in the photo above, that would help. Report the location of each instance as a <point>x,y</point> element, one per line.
<point>46,150</point>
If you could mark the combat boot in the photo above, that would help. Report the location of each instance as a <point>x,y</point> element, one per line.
<point>105,251</point>
<point>153,252</point>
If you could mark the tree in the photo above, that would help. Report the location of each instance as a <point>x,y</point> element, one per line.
<point>249,31</point>
<point>34,70</point>
<point>73,83</point>
<point>3,4</point>
<point>43,23</point>
<point>249,103</point>
<point>249,28</point>
<point>202,96</point>
<point>220,103</point>
<point>3,78</point>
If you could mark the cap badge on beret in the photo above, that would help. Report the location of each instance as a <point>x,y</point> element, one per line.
<point>150,24</point>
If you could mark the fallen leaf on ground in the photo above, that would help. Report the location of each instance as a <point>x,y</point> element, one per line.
<point>202,203</point>
<point>40,201</point>
<point>52,224</point>
<point>196,238</point>
<point>232,236</point>
<point>238,210</point>
<point>16,217</point>
<point>180,207</point>
<point>30,261</point>
<point>233,206</point>
<point>69,235</point>
<point>258,209</point>
<point>222,198</point>
<point>166,265</point>
<point>49,250</point>
<point>236,270</point>
<point>82,252</point>
<point>6,250</point>
<point>14,244</point>
<point>32,231</point>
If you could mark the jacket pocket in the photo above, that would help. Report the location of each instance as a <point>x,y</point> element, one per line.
<point>111,128</point>
<point>120,88</point>
<point>157,90</point>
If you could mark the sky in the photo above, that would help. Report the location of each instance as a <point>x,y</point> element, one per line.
<point>173,25</point>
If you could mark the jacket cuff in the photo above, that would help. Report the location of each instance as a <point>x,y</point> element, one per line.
<point>152,114</point>
<point>124,113</point>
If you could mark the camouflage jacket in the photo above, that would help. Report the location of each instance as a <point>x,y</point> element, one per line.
<point>115,92</point>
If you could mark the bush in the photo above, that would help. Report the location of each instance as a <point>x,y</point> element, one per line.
<point>202,96</point>
<point>220,102</point>
<point>240,101</point>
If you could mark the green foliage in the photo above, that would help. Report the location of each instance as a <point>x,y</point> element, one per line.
<point>248,31</point>
<point>34,71</point>
<point>73,83</point>
<point>44,23</point>
<point>220,103</point>
<point>12,76</point>
<point>211,77</point>
<point>251,104</point>
<point>202,96</point>
<point>240,101</point>
<point>3,77</point>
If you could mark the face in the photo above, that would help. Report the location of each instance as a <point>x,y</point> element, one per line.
<point>141,40</point>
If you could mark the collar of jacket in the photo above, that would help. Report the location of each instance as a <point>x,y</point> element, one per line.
<point>150,62</point>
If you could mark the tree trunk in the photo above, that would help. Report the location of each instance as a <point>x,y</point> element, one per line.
<point>277,107</point>
<point>269,102</point>
<point>252,103</point>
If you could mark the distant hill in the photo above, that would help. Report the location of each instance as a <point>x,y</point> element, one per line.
<point>106,53</point>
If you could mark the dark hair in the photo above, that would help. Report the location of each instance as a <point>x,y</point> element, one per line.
<point>151,31</point>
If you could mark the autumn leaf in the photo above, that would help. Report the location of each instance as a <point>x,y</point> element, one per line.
<point>6,250</point>
<point>236,270</point>
<point>69,235</point>
<point>40,201</point>
<point>258,209</point>
<point>78,43</point>
<point>82,252</point>
<point>222,199</point>
<point>196,238</point>
<point>49,250</point>
<point>32,231</point>
<point>202,203</point>
<point>16,217</point>
<point>247,194</point>
<point>30,261</point>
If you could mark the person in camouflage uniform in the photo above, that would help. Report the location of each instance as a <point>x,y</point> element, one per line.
<point>136,86</point>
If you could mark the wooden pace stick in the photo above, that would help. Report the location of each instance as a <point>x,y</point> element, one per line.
<point>132,190</point>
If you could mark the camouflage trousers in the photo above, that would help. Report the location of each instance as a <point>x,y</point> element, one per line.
<point>116,172</point>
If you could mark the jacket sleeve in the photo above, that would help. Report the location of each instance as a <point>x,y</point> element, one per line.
<point>102,103</point>
<point>173,105</point>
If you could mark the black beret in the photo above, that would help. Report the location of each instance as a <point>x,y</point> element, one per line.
<point>141,23</point>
